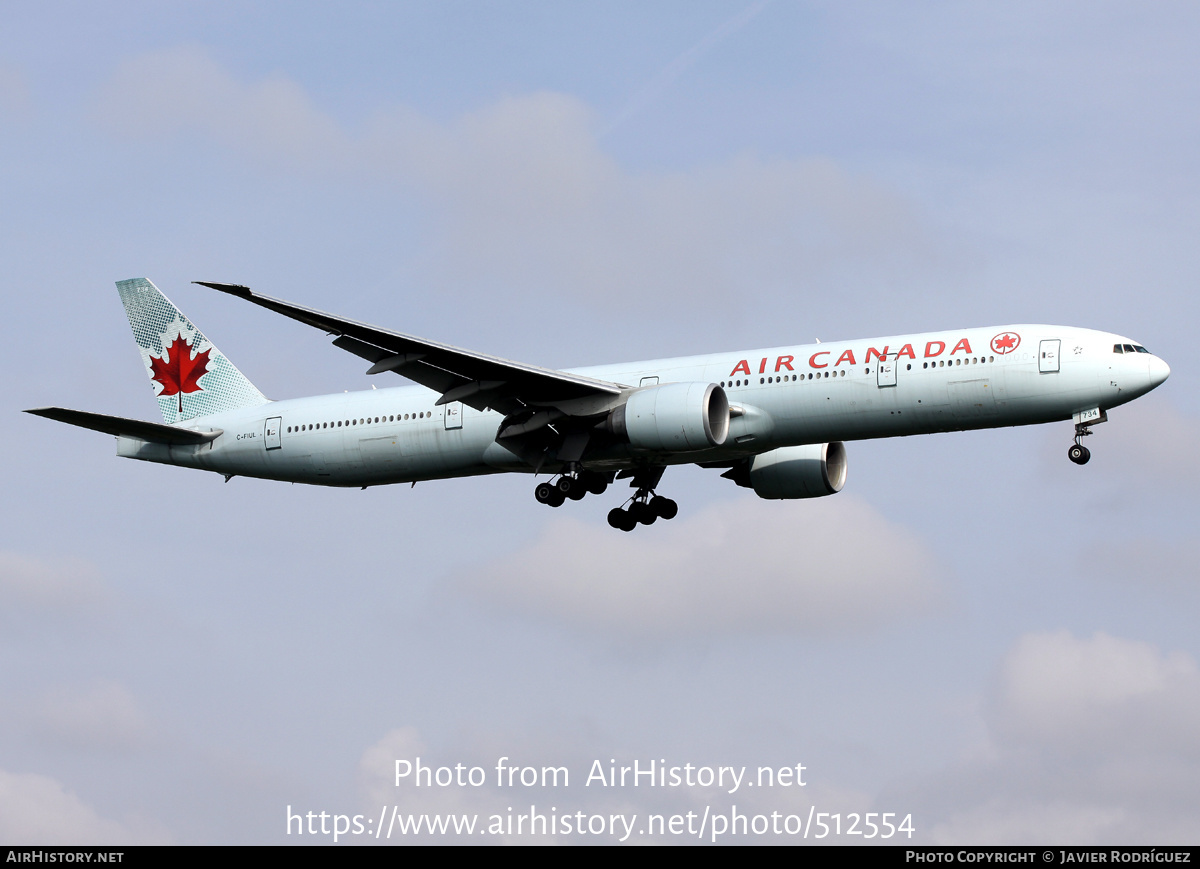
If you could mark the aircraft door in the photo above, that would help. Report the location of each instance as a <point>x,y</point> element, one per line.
<point>1048,356</point>
<point>886,371</point>
<point>454,415</point>
<point>271,433</point>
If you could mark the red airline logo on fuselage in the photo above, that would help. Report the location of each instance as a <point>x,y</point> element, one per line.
<point>1006,342</point>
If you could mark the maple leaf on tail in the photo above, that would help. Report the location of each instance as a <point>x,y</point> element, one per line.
<point>178,371</point>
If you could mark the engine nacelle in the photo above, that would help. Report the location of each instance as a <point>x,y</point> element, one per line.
<point>673,417</point>
<point>810,471</point>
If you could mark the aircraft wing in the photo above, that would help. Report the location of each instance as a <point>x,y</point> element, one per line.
<point>476,379</point>
<point>119,425</point>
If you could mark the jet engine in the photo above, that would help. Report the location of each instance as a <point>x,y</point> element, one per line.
<point>809,471</point>
<point>673,417</point>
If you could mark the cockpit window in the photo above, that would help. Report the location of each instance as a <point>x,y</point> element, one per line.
<point>1140,349</point>
<point>1117,348</point>
<point>1128,348</point>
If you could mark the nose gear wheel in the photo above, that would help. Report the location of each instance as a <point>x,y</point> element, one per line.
<point>1078,453</point>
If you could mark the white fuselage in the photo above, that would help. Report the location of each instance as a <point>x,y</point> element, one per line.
<point>805,394</point>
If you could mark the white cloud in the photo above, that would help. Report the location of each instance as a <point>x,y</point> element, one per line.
<point>377,775</point>
<point>1092,741</point>
<point>104,714</point>
<point>38,810</point>
<point>1098,695</point>
<point>526,197</point>
<point>377,767</point>
<point>744,566</point>
<point>34,583</point>
<point>184,90</point>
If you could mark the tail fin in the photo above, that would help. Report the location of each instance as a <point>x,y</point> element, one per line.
<point>190,376</point>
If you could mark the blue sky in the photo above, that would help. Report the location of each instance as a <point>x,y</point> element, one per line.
<point>974,631</point>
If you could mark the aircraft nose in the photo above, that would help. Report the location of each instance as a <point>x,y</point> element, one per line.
<point>1159,371</point>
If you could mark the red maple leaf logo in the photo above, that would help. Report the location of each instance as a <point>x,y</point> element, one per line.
<point>1006,342</point>
<point>178,371</point>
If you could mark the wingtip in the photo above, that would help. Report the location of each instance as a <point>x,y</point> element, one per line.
<point>232,289</point>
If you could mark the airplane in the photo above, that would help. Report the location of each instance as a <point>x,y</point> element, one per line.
<point>774,420</point>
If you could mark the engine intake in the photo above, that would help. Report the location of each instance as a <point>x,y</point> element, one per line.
<point>673,417</point>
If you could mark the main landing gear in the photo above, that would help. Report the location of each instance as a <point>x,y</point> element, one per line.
<point>573,486</point>
<point>642,509</point>
<point>1078,453</point>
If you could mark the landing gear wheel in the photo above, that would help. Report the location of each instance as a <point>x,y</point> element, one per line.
<point>1079,454</point>
<point>644,508</point>
<point>620,519</point>
<point>642,512</point>
<point>548,494</point>
<point>664,507</point>
<point>597,484</point>
<point>566,485</point>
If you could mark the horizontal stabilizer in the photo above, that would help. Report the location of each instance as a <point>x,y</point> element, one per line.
<point>134,428</point>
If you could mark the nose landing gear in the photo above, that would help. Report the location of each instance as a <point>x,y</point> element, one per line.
<point>1078,453</point>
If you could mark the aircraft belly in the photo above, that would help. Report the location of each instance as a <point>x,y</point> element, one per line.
<point>1035,396</point>
<point>240,458</point>
<point>317,467</point>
